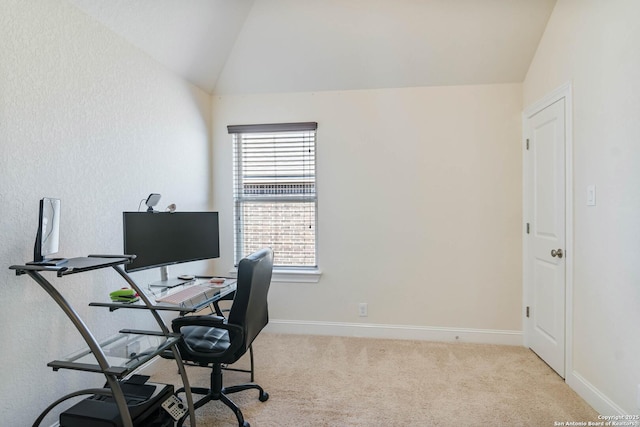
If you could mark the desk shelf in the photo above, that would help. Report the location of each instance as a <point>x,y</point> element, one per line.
<point>117,356</point>
<point>125,352</point>
<point>192,305</point>
<point>75,265</point>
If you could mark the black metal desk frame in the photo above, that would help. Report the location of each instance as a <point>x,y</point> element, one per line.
<point>112,374</point>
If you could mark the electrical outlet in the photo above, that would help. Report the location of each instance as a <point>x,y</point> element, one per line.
<point>638,397</point>
<point>363,309</point>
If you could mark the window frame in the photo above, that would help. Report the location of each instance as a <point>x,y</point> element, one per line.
<point>284,273</point>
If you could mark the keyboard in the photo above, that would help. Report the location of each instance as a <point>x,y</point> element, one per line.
<point>188,294</point>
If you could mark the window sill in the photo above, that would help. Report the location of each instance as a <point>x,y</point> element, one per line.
<point>284,275</point>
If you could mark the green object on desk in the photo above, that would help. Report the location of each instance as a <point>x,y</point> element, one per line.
<point>124,295</point>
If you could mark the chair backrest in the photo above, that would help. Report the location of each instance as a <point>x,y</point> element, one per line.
<point>249,308</point>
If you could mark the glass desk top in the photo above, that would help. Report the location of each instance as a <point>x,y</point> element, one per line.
<point>124,352</point>
<point>203,293</point>
<point>76,265</point>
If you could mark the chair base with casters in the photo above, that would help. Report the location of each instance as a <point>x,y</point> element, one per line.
<point>217,392</point>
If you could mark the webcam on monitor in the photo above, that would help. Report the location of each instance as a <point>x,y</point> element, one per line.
<point>152,200</point>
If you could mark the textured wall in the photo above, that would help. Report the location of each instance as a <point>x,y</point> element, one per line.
<point>88,118</point>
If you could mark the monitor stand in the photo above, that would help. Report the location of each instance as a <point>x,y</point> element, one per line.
<point>169,283</point>
<point>165,282</point>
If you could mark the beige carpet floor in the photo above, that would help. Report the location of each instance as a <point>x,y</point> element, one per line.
<point>337,381</point>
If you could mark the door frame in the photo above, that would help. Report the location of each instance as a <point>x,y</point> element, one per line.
<point>564,91</point>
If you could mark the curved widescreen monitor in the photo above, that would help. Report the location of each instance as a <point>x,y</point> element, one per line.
<point>162,238</point>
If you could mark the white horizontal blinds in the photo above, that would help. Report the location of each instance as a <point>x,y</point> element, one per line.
<point>275,191</point>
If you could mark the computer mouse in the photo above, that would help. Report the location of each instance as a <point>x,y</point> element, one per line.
<point>185,277</point>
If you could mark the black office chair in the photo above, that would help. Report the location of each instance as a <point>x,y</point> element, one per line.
<point>214,340</point>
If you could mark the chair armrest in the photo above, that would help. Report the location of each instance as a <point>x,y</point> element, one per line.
<point>206,320</point>
<point>209,322</point>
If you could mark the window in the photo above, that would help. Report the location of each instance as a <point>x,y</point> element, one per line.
<point>275,199</point>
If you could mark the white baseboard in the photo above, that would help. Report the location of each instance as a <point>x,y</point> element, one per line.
<point>407,332</point>
<point>594,397</point>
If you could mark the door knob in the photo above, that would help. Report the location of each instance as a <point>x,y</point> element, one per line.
<point>557,253</point>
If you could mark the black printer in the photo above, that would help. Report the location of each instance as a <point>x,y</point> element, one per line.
<point>144,400</point>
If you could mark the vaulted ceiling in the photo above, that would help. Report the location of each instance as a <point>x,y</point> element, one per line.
<point>258,46</point>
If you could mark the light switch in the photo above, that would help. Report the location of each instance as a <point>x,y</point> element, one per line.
<point>591,195</point>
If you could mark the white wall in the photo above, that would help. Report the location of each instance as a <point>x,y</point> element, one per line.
<point>87,118</point>
<point>419,204</point>
<point>594,45</point>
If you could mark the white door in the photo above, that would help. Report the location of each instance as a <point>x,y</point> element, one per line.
<point>545,235</point>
